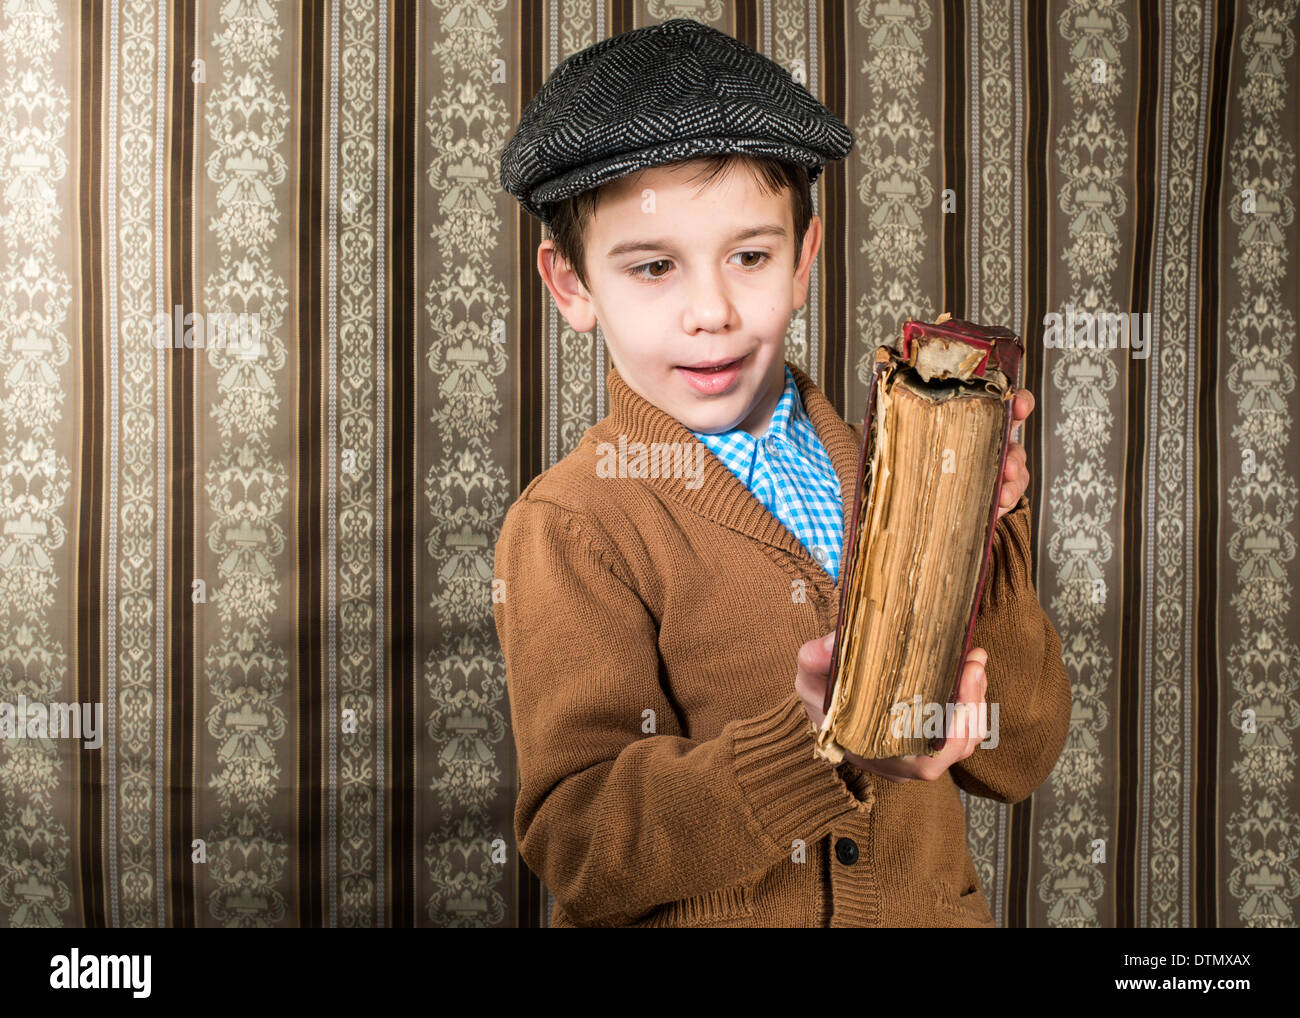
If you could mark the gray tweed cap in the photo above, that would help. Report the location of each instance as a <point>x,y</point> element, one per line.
<point>656,95</point>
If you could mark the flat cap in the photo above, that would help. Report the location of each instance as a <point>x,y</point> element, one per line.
<point>660,94</point>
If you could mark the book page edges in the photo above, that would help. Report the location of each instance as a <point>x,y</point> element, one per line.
<point>997,387</point>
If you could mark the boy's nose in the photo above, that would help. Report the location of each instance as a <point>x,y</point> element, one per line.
<point>709,307</point>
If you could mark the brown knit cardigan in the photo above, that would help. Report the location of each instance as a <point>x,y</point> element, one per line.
<point>666,768</point>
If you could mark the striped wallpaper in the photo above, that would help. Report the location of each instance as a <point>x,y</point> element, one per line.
<point>267,555</point>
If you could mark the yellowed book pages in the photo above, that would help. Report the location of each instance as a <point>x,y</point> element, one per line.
<point>929,489</point>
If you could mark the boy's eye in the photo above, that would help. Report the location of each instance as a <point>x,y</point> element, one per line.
<point>642,271</point>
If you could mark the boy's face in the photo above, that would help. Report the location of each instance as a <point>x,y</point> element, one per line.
<point>676,283</point>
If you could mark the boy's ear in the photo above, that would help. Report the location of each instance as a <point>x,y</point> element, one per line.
<point>812,240</point>
<point>571,297</point>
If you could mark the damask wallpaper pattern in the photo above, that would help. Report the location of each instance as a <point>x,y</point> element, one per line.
<point>271,561</point>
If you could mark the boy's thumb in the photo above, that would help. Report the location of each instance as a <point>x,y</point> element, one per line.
<point>829,642</point>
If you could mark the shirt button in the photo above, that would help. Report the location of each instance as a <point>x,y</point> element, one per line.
<point>771,444</point>
<point>846,851</point>
<point>819,553</point>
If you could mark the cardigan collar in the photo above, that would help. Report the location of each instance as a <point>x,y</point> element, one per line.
<point>721,496</point>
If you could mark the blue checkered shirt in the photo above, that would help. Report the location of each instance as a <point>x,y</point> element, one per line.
<point>789,471</point>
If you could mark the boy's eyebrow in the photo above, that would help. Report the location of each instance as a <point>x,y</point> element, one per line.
<point>630,246</point>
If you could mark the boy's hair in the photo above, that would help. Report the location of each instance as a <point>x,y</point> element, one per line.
<point>570,217</point>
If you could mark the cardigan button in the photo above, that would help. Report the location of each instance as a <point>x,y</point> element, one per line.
<point>846,851</point>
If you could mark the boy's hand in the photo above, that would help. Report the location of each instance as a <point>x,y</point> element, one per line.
<point>814,666</point>
<point>1016,474</point>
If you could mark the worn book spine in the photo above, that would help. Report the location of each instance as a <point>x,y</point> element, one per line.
<point>978,348</point>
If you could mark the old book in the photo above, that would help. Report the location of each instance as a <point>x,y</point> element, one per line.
<point>934,446</point>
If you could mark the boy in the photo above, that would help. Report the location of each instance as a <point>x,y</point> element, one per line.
<point>654,612</point>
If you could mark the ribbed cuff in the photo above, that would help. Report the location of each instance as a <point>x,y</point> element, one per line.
<point>792,792</point>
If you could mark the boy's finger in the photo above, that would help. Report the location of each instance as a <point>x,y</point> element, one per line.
<point>815,655</point>
<point>971,685</point>
<point>973,672</point>
<point>974,681</point>
<point>1010,495</point>
<point>1021,407</point>
<point>1017,461</point>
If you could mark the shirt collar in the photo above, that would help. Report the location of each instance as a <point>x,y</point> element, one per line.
<point>788,409</point>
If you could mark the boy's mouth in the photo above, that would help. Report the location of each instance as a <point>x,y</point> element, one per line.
<point>715,377</point>
<point>703,368</point>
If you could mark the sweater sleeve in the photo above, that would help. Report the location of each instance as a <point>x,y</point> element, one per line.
<point>1026,674</point>
<point>614,817</point>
